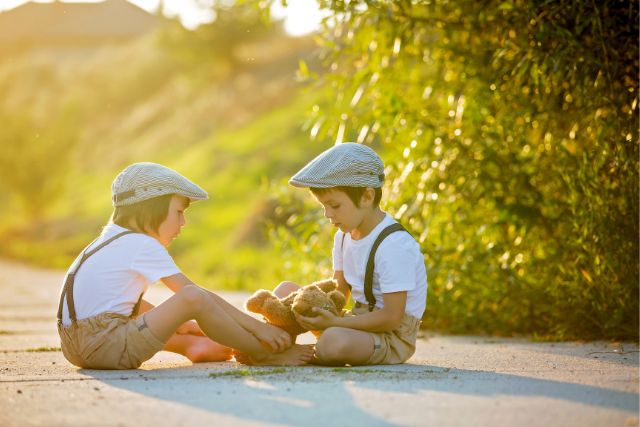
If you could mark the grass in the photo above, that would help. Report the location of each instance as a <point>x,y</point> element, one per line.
<point>43,349</point>
<point>234,148</point>
<point>242,373</point>
<point>232,221</point>
<point>355,371</point>
<point>234,164</point>
<point>345,373</point>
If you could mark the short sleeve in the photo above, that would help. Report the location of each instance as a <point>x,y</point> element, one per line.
<point>395,264</point>
<point>154,262</point>
<point>337,252</point>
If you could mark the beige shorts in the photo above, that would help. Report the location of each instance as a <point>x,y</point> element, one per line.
<point>108,341</point>
<point>392,347</point>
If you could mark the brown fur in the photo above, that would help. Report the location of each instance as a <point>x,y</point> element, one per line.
<point>279,312</point>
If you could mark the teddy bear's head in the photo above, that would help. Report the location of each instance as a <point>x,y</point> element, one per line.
<point>274,310</point>
<point>320,294</point>
<point>279,312</point>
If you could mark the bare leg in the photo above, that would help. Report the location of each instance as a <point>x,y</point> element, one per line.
<point>197,348</point>
<point>342,346</point>
<point>193,347</point>
<point>193,302</point>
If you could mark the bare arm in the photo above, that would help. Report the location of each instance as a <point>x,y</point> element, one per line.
<point>343,286</point>
<point>261,330</point>
<point>176,282</point>
<point>385,319</point>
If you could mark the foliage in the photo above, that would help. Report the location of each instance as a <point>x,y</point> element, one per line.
<point>220,43</point>
<point>139,101</point>
<point>225,244</point>
<point>510,134</point>
<point>509,130</point>
<point>35,158</point>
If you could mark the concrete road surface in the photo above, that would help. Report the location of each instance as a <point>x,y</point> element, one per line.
<point>450,381</point>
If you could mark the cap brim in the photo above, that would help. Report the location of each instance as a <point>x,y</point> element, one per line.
<point>307,184</point>
<point>194,197</point>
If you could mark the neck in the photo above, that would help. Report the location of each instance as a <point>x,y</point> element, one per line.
<point>368,224</point>
<point>131,225</point>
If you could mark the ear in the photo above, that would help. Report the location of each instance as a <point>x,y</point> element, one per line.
<point>366,201</point>
<point>256,302</point>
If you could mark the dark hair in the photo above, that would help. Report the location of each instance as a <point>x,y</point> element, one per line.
<point>354,193</point>
<point>144,216</point>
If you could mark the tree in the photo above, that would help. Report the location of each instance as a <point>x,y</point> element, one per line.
<point>510,134</point>
<point>219,42</point>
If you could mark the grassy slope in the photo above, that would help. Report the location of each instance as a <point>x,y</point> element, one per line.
<point>225,246</point>
<point>233,136</point>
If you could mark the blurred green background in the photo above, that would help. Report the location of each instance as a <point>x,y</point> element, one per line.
<point>509,130</point>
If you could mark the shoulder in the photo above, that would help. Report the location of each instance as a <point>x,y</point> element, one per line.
<point>148,245</point>
<point>399,241</point>
<point>150,253</point>
<point>135,241</point>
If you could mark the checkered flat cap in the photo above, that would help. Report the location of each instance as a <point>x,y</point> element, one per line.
<point>142,181</point>
<point>348,164</point>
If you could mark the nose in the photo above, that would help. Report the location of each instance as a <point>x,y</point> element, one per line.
<point>327,213</point>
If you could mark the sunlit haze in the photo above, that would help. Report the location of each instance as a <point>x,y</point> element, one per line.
<point>301,16</point>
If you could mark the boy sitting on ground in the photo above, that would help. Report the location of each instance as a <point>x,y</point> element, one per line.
<point>375,261</point>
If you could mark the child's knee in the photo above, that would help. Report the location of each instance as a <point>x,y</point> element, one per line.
<point>332,345</point>
<point>193,296</point>
<point>285,288</point>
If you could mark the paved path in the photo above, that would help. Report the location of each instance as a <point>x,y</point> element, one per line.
<point>450,381</point>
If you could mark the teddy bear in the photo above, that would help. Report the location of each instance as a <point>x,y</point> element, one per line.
<point>280,312</point>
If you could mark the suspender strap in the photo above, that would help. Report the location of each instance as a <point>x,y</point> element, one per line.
<point>66,285</point>
<point>67,291</point>
<point>136,308</point>
<point>342,250</point>
<point>68,280</point>
<point>368,277</point>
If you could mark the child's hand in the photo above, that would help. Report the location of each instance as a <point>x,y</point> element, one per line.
<point>190,328</point>
<point>277,339</point>
<point>321,321</point>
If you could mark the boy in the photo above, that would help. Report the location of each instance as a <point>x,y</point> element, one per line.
<point>382,329</point>
<point>103,321</point>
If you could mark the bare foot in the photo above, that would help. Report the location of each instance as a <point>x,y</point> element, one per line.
<point>205,350</point>
<point>296,355</point>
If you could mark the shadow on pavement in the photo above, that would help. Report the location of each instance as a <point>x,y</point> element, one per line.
<point>314,395</point>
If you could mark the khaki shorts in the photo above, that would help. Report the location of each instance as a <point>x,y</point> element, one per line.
<point>392,347</point>
<point>108,341</point>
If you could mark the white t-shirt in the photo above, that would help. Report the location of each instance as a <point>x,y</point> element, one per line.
<point>398,266</point>
<point>113,278</point>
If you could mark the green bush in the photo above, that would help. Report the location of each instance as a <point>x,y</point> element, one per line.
<point>35,157</point>
<point>510,134</point>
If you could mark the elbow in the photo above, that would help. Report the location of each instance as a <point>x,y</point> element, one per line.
<point>393,321</point>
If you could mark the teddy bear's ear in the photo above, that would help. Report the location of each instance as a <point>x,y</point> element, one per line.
<point>327,285</point>
<point>338,299</point>
<point>288,300</point>
<point>256,302</point>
